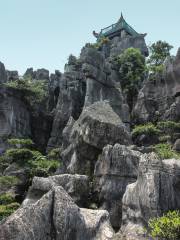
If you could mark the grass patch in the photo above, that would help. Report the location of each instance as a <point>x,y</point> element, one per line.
<point>7,210</point>
<point>8,181</point>
<point>165,151</point>
<point>147,129</point>
<point>6,198</point>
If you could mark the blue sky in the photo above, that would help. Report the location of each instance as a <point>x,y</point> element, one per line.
<point>42,33</point>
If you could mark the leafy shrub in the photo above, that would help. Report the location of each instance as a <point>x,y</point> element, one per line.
<point>33,91</point>
<point>6,198</point>
<point>7,210</point>
<point>164,151</point>
<point>102,41</point>
<point>8,181</point>
<point>54,154</point>
<point>147,129</point>
<point>169,126</point>
<point>20,141</point>
<point>19,155</point>
<point>165,227</point>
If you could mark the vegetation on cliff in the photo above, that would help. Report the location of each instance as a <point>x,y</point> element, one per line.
<point>165,227</point>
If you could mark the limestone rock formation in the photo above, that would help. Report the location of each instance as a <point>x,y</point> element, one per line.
<point>116,167</point>
<point>3,75</point>
<point>154,193</point>
<point>77,186</point>
<point>56,216</point>
<point>159,99</point>
<point>14,116</point>
<point>97,126</point>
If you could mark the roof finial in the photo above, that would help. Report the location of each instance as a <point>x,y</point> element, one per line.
<point>121,18</point>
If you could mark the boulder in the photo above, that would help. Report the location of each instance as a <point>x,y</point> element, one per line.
<point>77,186</point>
<point>155,192</point>
<point>56,216</point>
<point>97,126</point>
<point>116,167</point>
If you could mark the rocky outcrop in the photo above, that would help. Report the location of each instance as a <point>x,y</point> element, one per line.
<point>120,44</point>
<point>3,75</point>
<point>39,74</point>
<point>12,75</point>
<point>155,192</point>
<point>70,100</point>
<point>77,186</point>
<point>56,216</point>
<point>159,99</point>
<point>97,126</point>
<point>116,167</point>
<point>14,116</point>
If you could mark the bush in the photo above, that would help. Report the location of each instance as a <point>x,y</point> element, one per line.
<point>147,129</point>
<point>34,91</point>
<point>6,198</point>
<point>54,154</point>
<point>164,151</point>
<point>102,41</point>
<point>20,155</point>
<point>7,210</point>
<point>17,141</point>
<point>169,126</point>
<point>165,227</point>
<point>8,181</point>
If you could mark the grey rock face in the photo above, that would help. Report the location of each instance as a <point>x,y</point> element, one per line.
<point>120,44</point>
<point>56,216</point>
<point>30,222</point>
<point>77,186</point>
<point>70,101</point>
<point>154,193</point>
<point>42,74</point>
<point>97,126</point>
<point>102,82</point>
<point>39,74</point>
<point>160,99</point>
<point>14,116</point>
<point>3,75</point>
<point>116,167</point>
<point>12,75</point>
<point>176,146</point>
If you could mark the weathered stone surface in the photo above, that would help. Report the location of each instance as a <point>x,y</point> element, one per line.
<point>103,83</point>
<point>160,99</point>
<point>32,222</point>
<point>176,146</point>
<point>77,186</point>
<point>97,126</point>
<point>12,75</point>
<point>3,75</point>
<point>70,103</point>
<point>56,216</point>
<point>79,224</point>
<point>116,167</point>
<point>42,74</point>
<point>154,193</point>
<point>14,116</point>
<point>120,44</point>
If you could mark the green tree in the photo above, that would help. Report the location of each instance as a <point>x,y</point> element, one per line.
<point>158,52</point>
<point>132,68</point>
